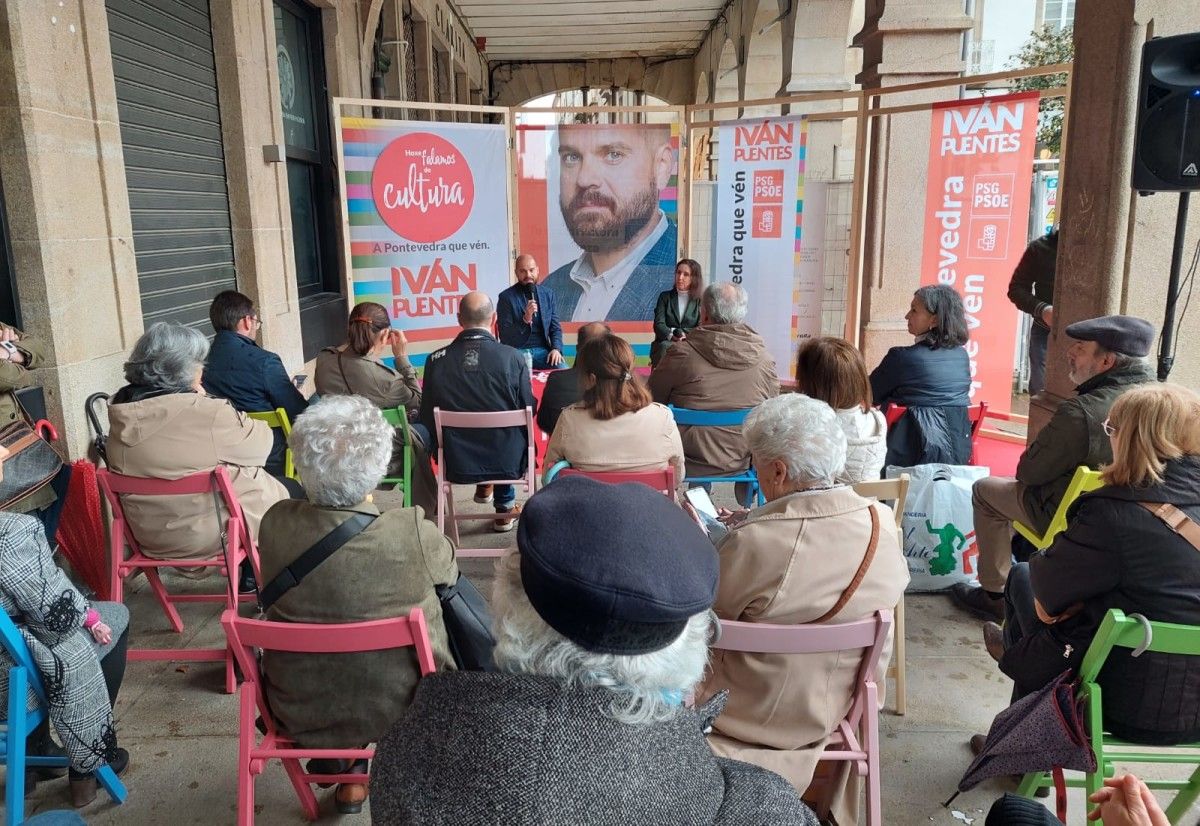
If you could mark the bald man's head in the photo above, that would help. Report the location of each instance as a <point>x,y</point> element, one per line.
<point>589,331</point>
<point>475,310</point>
<point>526,269</point>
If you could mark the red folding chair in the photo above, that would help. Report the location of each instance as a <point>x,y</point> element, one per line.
<point>662,481</point>
<point>239,545</point>
<point>254,752</point>
<point>489,421</point>
<point>976,413</point>
<point>856,739</point>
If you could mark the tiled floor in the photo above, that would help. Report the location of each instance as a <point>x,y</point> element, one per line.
<point>181,729</point>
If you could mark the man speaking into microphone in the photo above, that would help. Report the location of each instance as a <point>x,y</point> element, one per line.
<point>527,318</point>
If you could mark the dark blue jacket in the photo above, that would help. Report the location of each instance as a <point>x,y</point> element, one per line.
<point>253,379</point>
<point>477,374</point>
<point>510,317</point>
<point>935,385</point>
<point>637,298</point>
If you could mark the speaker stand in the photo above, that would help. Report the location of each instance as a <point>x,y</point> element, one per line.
<point>1166,342</point>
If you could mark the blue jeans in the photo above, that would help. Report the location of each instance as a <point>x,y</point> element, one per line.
<point>504,497</point>
<point>1039,338</point>
<point>540,357</point>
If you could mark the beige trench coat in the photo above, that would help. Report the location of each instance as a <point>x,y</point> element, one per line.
<point>178,434</point>
<point>788,564</point>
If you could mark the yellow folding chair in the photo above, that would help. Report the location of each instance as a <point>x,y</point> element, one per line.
<point>279,418</point>
<point>1084,480</point>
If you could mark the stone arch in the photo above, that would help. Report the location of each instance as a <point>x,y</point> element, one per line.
<point>764,58</point>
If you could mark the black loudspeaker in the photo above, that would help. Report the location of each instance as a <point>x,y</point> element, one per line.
<point>1166,152</point>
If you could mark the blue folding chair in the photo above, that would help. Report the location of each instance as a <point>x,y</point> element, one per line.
<point>718,418</point>
<point>18,723</point>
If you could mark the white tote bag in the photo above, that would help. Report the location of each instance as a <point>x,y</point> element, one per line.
<point>939,525</point>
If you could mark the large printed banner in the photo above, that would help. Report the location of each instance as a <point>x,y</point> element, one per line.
<point>760,205</point>
<point>597,206</point>
<point>428,213</point>
<point>976,218</point>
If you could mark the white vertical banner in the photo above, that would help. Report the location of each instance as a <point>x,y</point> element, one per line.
<point>760,200</point>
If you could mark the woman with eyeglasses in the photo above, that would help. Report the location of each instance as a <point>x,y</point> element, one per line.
<point>1133,544</point>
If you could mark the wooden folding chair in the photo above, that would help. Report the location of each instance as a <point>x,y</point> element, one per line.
<point>248,636</point>
<point>278,418</point>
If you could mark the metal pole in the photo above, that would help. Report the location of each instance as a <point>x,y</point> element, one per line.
<point>1166,342</point>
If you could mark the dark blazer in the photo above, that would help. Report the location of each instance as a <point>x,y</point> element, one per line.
<point>1116,554</point>
<point>655,273</point>
<point>667,320</point>
<point>532,751</point>
<point>477,374</point>
<point>935,385</point>
<point>253,380</point>
<point>562,390</point>
<point>510,316</point>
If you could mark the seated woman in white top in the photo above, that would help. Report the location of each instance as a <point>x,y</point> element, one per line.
<point>616,427</point>
<point>833,370</point>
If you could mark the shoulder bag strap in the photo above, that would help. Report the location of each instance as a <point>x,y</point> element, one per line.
<point>859,575</point>
<point>345,381</point>
<point>307,562</point>
<point>1176,520</point>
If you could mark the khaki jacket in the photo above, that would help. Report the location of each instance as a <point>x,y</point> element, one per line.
<point>788,564</point>
<point>341,372</point>
<point>15,377</point>
<point>178,434</point>
<point>349,700</point>
<point>646,439</point>
<point>717,367</point>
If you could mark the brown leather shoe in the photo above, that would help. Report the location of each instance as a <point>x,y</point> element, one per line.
<point>83,791</point>
<point>977,742</point>
<point>993,640</point>
<point>979,602</point>
<point>350,797</point>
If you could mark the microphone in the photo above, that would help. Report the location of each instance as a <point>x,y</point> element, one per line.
<point>530,294</point>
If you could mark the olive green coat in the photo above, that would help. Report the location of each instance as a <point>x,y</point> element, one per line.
<point>349,700</point>
<point>13,377</point>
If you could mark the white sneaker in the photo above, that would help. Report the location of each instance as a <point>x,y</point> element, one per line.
<point>506,525</point>
<point>483,494</point>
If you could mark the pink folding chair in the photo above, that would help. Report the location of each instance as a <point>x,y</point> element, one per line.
<point>662,481</point>
<point>247,635</point>
<point>468,421</point>
<point>239,545</point>
<point>856,738</point>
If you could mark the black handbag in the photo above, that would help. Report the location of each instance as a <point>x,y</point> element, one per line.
<point>468,625</point>
<point>31,463</point>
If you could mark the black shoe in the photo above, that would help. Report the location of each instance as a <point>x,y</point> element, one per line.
<point>979,602</point>
<point>247,584</point>
<point>993,640</point>
<point>39,744</point>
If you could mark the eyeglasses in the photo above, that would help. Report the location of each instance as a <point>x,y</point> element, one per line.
<point>1109,430</point>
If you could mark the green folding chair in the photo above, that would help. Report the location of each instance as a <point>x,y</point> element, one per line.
<point>397,417</point>
<point>279,418</point>
<point>1084,481</point>
<point>1139,634</point>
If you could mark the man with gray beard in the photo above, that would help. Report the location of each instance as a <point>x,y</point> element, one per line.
<point>610,177</point>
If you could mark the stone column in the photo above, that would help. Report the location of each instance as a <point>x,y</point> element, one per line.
<point>68,207</point>
<point>1115,247</point>
<point>259,209</point>
<point>903,41</point>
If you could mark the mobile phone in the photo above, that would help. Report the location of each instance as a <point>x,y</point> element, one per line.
<point>702,502</point>
<point>299,380</point>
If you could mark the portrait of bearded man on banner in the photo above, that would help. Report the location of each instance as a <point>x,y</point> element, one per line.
<point>610,177</point>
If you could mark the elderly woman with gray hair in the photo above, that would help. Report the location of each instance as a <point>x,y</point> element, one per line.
<point>602,625</point>
<point>164,426</point>
<point>816,552</point>
<point>386,564</point>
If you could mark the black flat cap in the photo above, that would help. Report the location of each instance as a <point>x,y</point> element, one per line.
<point>1125,334</point>
<point>616,569</point>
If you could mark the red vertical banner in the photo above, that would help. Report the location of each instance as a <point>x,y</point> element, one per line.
<point>976,217</point>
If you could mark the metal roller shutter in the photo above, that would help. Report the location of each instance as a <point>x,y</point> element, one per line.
<point>166,85</point>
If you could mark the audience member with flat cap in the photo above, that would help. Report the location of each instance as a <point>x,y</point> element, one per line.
<point>252,378</point>
<point>816,552</point>
<point>1107,357</point>
<point>602,624</point>
<point>564,387</point>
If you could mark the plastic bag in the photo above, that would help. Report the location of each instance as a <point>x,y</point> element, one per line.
<point>939,525</point>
